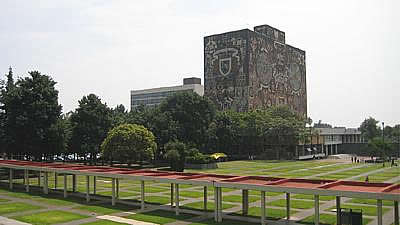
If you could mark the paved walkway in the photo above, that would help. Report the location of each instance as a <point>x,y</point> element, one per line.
<point>7,221</point>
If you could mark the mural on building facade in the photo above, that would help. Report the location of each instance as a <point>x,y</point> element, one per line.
<point>246,70</point>
<point>225,76</point>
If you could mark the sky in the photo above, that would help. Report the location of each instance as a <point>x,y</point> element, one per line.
<point>112,47</point>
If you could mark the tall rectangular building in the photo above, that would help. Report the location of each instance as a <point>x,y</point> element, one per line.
<point>246,70</point>
<point>155,96</point>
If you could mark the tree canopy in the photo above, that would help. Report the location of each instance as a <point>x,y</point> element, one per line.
<point>369,128</point>
<point>30,113</point>
<point>129,143</point>
<point>90,123</point>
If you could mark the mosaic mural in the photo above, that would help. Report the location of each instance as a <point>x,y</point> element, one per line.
<point>225,72</point>
<point>246,70</point>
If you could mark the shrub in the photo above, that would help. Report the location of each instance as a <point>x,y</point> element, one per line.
<point>129,143</point>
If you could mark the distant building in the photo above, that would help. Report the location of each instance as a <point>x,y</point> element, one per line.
<point>154,96</point>
<point>246,70</point>
<point>331,141</point>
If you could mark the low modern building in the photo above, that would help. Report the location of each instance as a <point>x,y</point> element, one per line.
<point>154,96</point>
<point>330,141</point>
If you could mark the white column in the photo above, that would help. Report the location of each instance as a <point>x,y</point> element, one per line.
<point>46,183</point>
<point>205,199</point>
<point>73,183</point>
<point>177,199</point>
<point>113,192</point>
<point>10,180</point>
<point>263,208</point>
<point>287,206</point>
<point>142,194</point>
<point>396,213</point>
<point>39,178</point>
<point>316,207</point>
<point>245,202</point>
<point>94,185</point>
<point>65,185</point>
<point>172,195</point>
<point>219,204</point>
<point>55,180</point>
<point>338,209</point>
<point>215,204</point>
<point>26,180</point>
<point>87,188</point>
<point>379,205</point>
<point>117,180</point>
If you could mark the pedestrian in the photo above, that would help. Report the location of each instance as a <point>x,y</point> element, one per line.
<point>352,160</point>
<point>366,179</point>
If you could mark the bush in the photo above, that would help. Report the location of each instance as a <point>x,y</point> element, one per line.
<point>129,143</point>
<point>196,157</point>
<point>176,154</point>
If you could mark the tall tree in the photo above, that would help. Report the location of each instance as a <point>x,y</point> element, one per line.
<point>192,114</point>
<point>369,128</point>
<point>119,115</point>
<point>32,111</point>
<point>90,123</point>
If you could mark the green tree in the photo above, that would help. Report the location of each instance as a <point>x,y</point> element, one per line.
<point>90,123</point>
<point>192,115</point>
<point>379,147</point>
<point>129,143</point>
<point>176,154</point>
<point>119,115</point>
<point>31,113</point>
<point>369,128</point>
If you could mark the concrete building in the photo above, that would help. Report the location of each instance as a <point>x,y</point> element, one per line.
<point>331,141</point>
<point>154,96</point>
<point>246,70</point>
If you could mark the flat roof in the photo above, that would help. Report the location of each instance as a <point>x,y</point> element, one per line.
<point>289,185</point>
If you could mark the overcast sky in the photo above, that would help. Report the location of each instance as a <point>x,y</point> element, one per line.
<point>110,47</point>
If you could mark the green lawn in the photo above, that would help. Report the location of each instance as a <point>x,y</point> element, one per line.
<point>210,206</point>
<point>50,217</point>
<point>192,194</point>
<point>159,216</point>
<point>370,201</point>
<point>51,199</point>
<point>16,207</point>
<point>297,204</point>
<point>160,200</point>
<point>258,193</point>
<point>311,197</point>
<point>122,194</point>
<point>148,189</point>
<point>224,222</point>
<point>4,200</point>
<point>104,222</point>
<point>326,219</point>
<point>366,210</point>
<point>272,214</point>
<point>238,198</point>
<point>105,208</point>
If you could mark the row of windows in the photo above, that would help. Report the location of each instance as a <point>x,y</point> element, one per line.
<point>157,94</point>
<point>147,101</point>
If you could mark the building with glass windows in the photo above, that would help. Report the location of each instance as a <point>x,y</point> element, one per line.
<point>154,96</point>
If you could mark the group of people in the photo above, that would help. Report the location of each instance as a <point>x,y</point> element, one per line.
<point>355,160</point>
